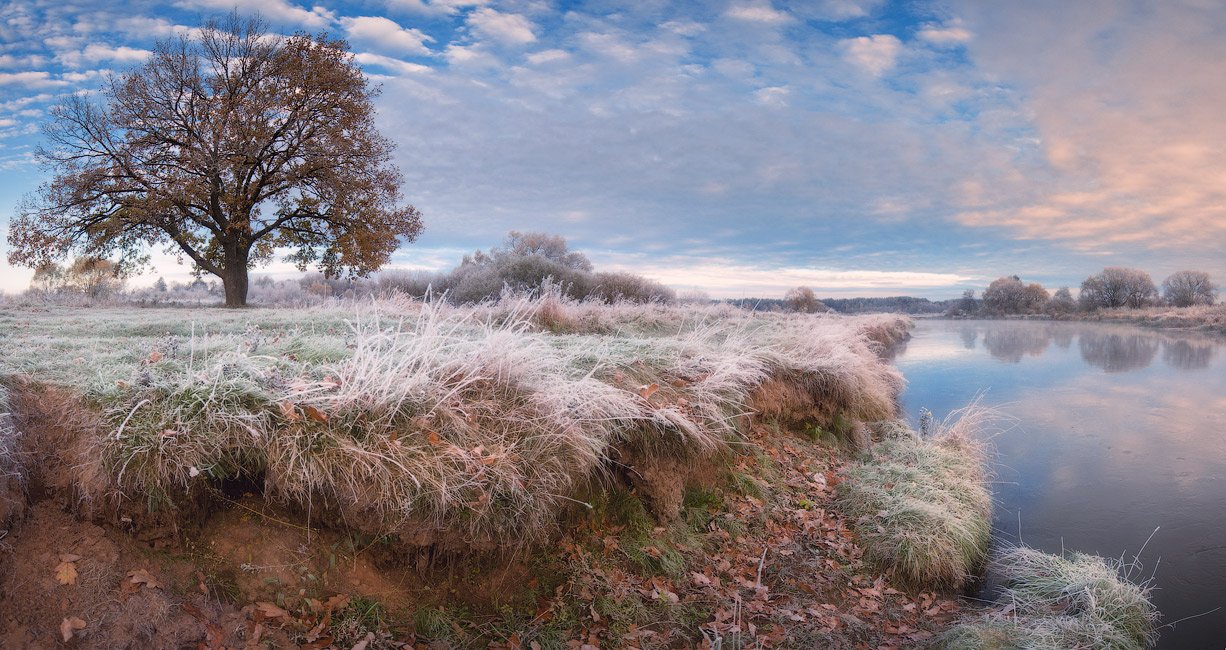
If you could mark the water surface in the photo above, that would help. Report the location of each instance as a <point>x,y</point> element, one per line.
<point>1119,430</point>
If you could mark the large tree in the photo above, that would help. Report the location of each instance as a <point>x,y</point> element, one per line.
<point>224,147</point>
<point>1187,288</point>
<point>1118,286</point>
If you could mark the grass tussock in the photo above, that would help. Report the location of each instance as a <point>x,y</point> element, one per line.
<point>434,422</point>
<point>12,474</point>
<point>922,505</point>
<point>1052,602</point>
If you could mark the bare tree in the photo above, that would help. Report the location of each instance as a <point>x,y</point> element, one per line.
<point>1118,286</point>
<point>1187,288</point>
<point>1062,302</point>
<point>803,300</point>
<point>223,147</point>
<point>94,277</point>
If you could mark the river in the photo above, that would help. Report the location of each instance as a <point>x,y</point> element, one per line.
<point>1116,431</point>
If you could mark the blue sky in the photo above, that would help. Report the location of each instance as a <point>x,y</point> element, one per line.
<point>860,147</point>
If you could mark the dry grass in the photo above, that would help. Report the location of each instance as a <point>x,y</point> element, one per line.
<point>427,421</point>
<point>1199,317</point>
<point>1052,602</point>
<point>922,505</point>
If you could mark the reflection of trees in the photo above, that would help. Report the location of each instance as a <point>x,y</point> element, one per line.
<point>1184,355</point>
<point>1011,343</point>
<point>969,335</point>
<point>1062,337</point>
<point>1118,352</point>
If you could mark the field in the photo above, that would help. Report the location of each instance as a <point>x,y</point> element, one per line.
<point>526,473</point>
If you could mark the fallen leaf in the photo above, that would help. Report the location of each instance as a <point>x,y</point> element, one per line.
<point>66,572</point>
<point>155,356</point>
<point>69,626</point>
<point>270,610</point>
<point>315,414</point>
<point>142,577</point>
<point>434,438</point>
<point>289,412</point>
<point>648,390</point>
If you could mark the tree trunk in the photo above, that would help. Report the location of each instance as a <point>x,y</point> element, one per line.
<point>234,279</point>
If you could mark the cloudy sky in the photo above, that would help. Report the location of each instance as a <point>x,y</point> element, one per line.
<point>861,147</point>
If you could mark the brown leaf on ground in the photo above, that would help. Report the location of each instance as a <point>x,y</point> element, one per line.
<point>66,571</point>
<point>289,412</point>
<point>269,610</point>
<point>155,356</point>
<point>648,390</point>
<point>143,577</point>
<point>315,414</point>
<point>70,626</point>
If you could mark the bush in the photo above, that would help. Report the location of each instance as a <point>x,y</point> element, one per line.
<point>1117,286</point>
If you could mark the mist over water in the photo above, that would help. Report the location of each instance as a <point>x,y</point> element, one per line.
<point>1119,430</point>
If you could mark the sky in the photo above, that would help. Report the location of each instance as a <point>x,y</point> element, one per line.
<point>859,147</point>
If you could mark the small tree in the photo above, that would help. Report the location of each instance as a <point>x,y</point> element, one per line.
<point>1117,286</point>
<point>48,278</point>
<point>94,277</point>
<point>1187,288</point>
<point>224,147</point>
<point>803,300</point>
<point>1005,295</point>
<point>160,285</point>
<point>1062,302</point>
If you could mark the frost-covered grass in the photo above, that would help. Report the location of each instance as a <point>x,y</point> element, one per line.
<point>1053,603</point>
<point>1201,317</point>
<point>403,417</point>
<point>921,505</point>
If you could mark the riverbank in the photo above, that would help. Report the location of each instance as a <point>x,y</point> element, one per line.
<point>1199,318</point>
<point>528,473</point>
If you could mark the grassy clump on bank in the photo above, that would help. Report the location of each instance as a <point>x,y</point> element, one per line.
<point>432,422</point>
<point>1052,602</point>
<point>922,505</point>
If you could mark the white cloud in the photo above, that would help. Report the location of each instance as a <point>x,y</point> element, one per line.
<point>947,35</point>
<point>728,278</point>
<point>760,11</point>
<point>95,53</point>
<point>874,54</point>
<point>386,35</point>
<point>547,56</point>
<point>277,11</point>
<point>30,79</point>
<point>511,29</point>
<point>772,96</point>
<point>435,7</point>
<point>390,63</point>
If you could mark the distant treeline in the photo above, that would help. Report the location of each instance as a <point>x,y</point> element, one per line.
<point>892,304</point>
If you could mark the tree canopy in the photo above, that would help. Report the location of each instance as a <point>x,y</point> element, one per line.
<point>224,147</point>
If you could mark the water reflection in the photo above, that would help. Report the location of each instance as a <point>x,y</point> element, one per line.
<point>1109,348</point>
<point>1118,352</point>
<point>1012,343</point>
<point>1108,445</point>
<point>1186,355</point>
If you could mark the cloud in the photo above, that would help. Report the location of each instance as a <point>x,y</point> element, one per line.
<point>435,7</point>
<point>836,10</point>
<point>277,11</point>
<point>874,54</point>
<point>1129,156</point>
<point>760,11</point>
<point>729,278</point>
<point>95,53</point>
<point>30,79</point>
<point>506,28</point>
<point>386,35</point>
<point>946,35</point>
<point>547,56</point>
<point>389,63</point>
